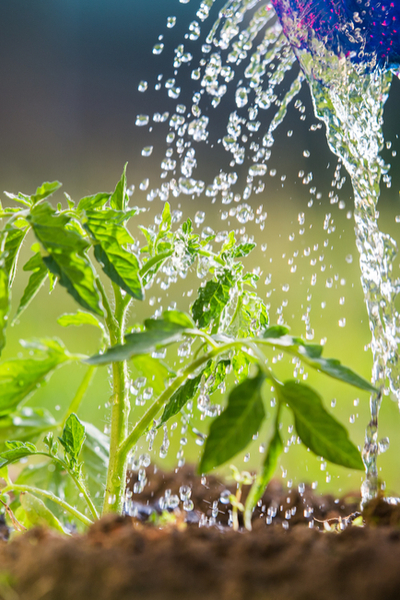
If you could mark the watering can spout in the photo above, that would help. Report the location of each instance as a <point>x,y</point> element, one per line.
<point>365,31</point>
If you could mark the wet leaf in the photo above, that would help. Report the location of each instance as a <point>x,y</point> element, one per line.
<point>317,429</point>
<point>159,334</point>
<point>93,202</point>
<point>155,370</point>
<point>179,318</point>
<point>211,301</point>
<point>232,431</point>
<point>186,392</point>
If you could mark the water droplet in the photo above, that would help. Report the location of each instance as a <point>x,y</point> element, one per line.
<point>142,120</point>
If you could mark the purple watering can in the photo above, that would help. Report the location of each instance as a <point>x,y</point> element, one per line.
<point>366,31</point>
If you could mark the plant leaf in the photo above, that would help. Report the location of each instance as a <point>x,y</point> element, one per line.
<point>317,429</point>
<point>67,259</point>
<point>155,370</point>
<point>119,199</point>
<point>73,436</point>
<point>120,265</point>
<point>36,280</point>
<point>159,333</point>
<point>311,355</point>
<point>275,449</point>
<point>11,246</point>
<point>243,250</point>
<point>19,377</point>
<point>211,301</point>
<point>232,431</point>
<point>16,451</point>
<point>38,514</point>
<point>45,190</point>
<point>25,425</point>
<point>93,202</point>
<point>179,318</point>
<point>5,305</point>
<point>79,318</point>
<point>183,394</point>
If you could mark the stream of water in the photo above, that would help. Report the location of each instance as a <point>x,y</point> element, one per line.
<point>349,73</point>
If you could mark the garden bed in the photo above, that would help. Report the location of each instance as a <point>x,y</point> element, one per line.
<point>126,557</point>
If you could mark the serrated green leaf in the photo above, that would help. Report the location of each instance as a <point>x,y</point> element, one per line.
<point>183,394</point>
<point>179,318</point>
<point>73,436</point>
<point>93,202</point>
<point>67,259</point>
<point>11,247</point>
<point>155,371</point>
<point>20,198</point>
<point>232,431</point>
<point>166,220</point>
<point>229,242</point>
<point>159,334</point>
<point>243,250</point>
<point>79,318</point>
<point>20,377</point>
<point>36,280</point>
<point>211,301</point>
<point>45,190</point>
<point>119,199</point>
<point>38,514</point>
<point>119,264</point>
<point>25,425</point>
<point>16,451</point>
<point>215,374</point>
<point>310,354</point>
<point>317,429</point>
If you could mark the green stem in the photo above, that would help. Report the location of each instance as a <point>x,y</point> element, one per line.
<point>116,474</point>
<point>50,496</point>
<point>76,402</point>
<point>153,261</point>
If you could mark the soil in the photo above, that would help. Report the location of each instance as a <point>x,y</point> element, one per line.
<point>294,558</point>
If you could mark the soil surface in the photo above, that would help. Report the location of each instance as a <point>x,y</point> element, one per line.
<point>196,555</point>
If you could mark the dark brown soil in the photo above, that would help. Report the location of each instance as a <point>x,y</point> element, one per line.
<point>123,558</point>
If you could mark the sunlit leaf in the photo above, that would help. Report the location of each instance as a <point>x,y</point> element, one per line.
<point>118,263</point>
<point>45,190</point>
<point>67,259</point>
<point>93,202</point>
<point>119,198</point>
<point>79,318</point>
<point>36,280</point>
<point>16,451</point>
<point>184,393</point>
<point>317,429</point>
<point>179,318</point>
<point>232,431</point>
<point>19,377</point>
<point>159,334</point>
<point>155,371</point>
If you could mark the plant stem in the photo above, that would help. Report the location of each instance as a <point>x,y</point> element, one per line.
<point>75,404</point>
<point>116,474</point>
<point>50,496</point>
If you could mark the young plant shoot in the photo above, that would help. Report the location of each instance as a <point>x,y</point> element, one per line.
<point>79,473</point>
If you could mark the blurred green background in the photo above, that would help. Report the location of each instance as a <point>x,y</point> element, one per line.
<point>69,75</point>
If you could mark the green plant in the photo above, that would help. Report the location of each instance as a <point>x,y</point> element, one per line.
<point>226,332</point>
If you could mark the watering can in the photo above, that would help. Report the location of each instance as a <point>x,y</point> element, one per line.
<point>365,31</point>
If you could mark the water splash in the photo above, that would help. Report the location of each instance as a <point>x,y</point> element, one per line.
<point>348,70</point>
<point>347,51</point>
